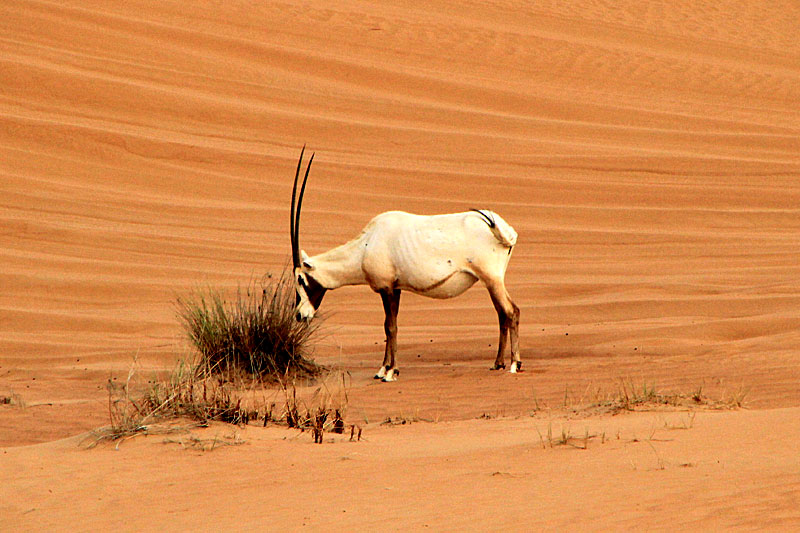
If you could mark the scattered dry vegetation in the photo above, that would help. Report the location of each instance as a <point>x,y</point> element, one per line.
<point>626,397</point>
<point>243,349</point>
<point>199,399</point>
<point>566,438</point>
<point>192,442</point>
<point>630,396</point>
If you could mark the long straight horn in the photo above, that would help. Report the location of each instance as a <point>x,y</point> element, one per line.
<point>292,232</point>
<point>299,205</point>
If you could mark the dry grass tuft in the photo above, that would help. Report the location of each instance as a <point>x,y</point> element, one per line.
<point>566,438</point>
<point>255,333</point>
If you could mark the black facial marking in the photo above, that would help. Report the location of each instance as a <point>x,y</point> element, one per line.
<point>314,291</point>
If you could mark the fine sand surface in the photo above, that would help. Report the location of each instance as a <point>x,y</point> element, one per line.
<point>648,154</point>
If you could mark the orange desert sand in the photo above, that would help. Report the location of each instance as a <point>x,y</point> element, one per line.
<point>648,154</point>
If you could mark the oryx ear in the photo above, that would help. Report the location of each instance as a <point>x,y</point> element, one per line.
<point>306,261</point>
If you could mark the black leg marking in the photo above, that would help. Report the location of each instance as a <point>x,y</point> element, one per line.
<point>391,306</point>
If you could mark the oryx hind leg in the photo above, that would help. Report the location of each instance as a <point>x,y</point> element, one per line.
<point>391,305</point>
<point>508,318</point>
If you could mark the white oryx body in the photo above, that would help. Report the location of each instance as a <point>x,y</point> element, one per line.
<point>438,256</point>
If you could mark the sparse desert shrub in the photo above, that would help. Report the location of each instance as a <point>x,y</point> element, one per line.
<point>644,397</point>
<point>183,394</point>
<point>323,411</point>
<point>567,439</point>
<point>135,408</point>
<point>241,347</point>
<point>190,394</point>
<point>255,333</point>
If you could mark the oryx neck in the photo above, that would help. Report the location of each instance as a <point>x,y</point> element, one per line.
<point>339,266</point>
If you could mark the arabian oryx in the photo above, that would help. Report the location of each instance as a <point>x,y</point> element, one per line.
<point>438,256</point>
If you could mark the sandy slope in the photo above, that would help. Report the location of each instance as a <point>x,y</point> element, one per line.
<point>643,471</point>
<point>647,153</point>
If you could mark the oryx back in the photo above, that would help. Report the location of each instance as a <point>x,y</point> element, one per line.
<point>437,256</point>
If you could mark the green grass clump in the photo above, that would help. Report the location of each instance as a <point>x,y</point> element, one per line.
<point>255,333</point>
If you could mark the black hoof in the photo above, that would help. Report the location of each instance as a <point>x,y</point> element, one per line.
<point>498,367</point>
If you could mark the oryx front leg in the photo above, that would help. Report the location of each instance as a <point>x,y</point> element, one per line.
<point>508,318</point>
<point>391,305</point>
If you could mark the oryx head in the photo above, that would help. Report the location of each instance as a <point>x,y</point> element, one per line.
<point>308,291</point>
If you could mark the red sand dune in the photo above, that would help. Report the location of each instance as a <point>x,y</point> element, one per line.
<point>647,153</point>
